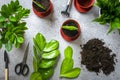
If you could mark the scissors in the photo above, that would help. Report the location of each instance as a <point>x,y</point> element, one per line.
<point>22,68</point>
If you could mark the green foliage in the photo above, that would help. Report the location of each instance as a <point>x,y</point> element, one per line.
<point>45,56</point>
<point>71,28</point>
<point>12,26</point>
<point>67,69</point>
<point>110,13</point>
<point>39,5</point>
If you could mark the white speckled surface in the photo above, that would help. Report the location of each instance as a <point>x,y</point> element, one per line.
<point>50,27</point>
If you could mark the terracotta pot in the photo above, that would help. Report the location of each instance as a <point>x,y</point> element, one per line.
<point>44,14</point>
<point>83,5</point>
<point>66,37</point>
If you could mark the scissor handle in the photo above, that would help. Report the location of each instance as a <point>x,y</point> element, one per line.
<point>21,69</point>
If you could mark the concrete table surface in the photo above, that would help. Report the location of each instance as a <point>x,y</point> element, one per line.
<point>50,28</point>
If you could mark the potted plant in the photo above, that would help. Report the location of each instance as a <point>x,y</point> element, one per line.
<point>12,25</point>
<point>109,13</point>
<point>83,5</point>
<point>42,8</point>
<point>70,30</point>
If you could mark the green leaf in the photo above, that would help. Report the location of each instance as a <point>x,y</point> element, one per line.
<point>40,41</point>
<point>50,46</point>
<point>8,46</point>
<point>67,65</point>
<point>12,19</point>
<point>39,5</point>
<point>0,44</point>
<point>47,63</point>
<point>71,28</point>
<point>20,39</point>
<point>2,18</point>
<point>35,66</point>
<point>73,73</point>
<point>46,73</point>
<point>36,76</point>
<point>68,52</point>
<point>50,55</point>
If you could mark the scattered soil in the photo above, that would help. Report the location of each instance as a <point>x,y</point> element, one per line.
<point>45,3</point>
<point>97,57</point>
<point>70,33</point>
<point>84,2</point>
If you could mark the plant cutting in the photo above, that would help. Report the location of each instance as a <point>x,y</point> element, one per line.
<point>67,69</point>
<point>110,13</point>
<point>70,30</point>
<point>12,25</point>
<point>83,5</point>
<point>45,57</point>
<point>42,8</point>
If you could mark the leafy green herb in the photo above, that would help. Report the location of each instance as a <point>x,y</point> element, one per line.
<point>71,28</point>
<point>39,5</point>
<point>67,69</point>
<point>45,56</point>
<point>110,13</point>
<point>12,26</point>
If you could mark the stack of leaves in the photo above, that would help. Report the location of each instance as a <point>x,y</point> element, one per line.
<point>12,26</point>
<point>44,59</point>
<point>110,13</point>
<point>67,69</point>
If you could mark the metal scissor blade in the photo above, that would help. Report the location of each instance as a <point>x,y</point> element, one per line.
<point>6,59</point>
<point>25,54</point>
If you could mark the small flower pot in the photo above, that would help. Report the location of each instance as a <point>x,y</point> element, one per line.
<point>70,35</point>
<point>43,14</point>
<point>83,5</point>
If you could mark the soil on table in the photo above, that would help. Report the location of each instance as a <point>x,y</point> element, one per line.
<point>45,3</point>
<point>68,32</point>
<point>96,57</point>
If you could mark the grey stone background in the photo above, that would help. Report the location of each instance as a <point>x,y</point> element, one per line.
<point>50,27</point>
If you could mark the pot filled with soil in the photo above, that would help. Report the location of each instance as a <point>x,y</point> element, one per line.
<point>42,8</point>
<point>83,5</point>
<point>70,30</point>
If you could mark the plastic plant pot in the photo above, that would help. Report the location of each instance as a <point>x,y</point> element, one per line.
<point>68,37</point>
<point>45,13</point>
<point>83,5</point>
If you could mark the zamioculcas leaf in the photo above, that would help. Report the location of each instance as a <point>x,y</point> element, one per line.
<point>2,18</point>
<point>35,66</point>
<point>0,44</point>
<point>69,28</point>
<point>8,46</point>
<point>47,63</point>
<point>73,73</point>
<point>20,39</point>
<point>13,19</point>
<point>36,76</point>
<point>52,45</point>
<point>66,65</point>
<point>50,55</point>
<point>68,52</point>
<point>46,73</point>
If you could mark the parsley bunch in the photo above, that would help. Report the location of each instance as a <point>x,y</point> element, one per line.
<point>12,26</point>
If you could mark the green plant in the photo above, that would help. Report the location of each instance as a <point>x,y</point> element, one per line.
<point>110,13</point>
<point>39,5</point>
<point>12,26</point>
<point>67,69</point>
<point>70,28</point>
<point>44,59</point>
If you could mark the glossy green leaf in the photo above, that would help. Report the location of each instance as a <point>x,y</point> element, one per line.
<point>8,46</point>
<point>2,18</point>
<point>0,44</point>
<point>46,73</point>
<point>71,28</point>
<point>66,65</point>
<point>73,73</point>
<point>36,46</point>
<point>50,55</point>
<point>50,46</point>
<point>47,63</point>
<point>35,66</point>
<point>36,76</point>
<point>13,19</point>
<point>40,40</point>
<point>20,39</point>
<point>68,52</point>
<point>39,5</point>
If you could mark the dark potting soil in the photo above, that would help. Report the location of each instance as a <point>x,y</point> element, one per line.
<point>84,2</point>
<point>70,33</point>
<point>97,57</point>
<point>45,3</point>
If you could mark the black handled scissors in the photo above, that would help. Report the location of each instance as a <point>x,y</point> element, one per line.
<point>22,68</point>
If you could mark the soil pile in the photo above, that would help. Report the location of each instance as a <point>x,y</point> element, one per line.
<point>97,57</point>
